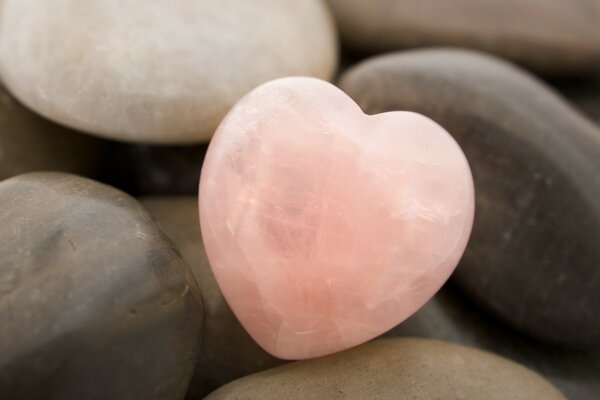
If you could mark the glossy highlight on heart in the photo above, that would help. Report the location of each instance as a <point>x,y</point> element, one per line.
<point>324,226</point>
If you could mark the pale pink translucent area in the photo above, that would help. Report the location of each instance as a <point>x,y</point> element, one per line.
<point>326,227</point>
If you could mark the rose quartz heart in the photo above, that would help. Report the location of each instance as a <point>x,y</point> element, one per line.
<point>324,226</point>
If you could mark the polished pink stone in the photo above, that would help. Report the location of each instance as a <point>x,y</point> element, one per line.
<point>325,227</point>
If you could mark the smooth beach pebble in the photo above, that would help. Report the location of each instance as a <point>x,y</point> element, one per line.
<point>30,143</point>
<point>548,36</point>
<point>533,257</point>
<point>95,303</point>
<point>450,316</point>
<point>391,369</point>
<point>164,71</point>
<point>228,352</point>
<point>325,227</point>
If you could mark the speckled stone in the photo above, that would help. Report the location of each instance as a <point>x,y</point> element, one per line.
<point>391,369</point>
<point>450,316</point>
<point>553,37</point>
<point>228,352</point>
<point>164,71</point>
<point>30,143</point>
<point>95,303</point>
<point>533,256</point>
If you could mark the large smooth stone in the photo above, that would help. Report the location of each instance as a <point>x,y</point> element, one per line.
<point>30,143</point>
<point>390,369</point>
<point>325,227</point>
<point>228,352</point>
<point>164,71</point>
<point>549,36</point>
<point>95,303</point>
<point>450,316</point>
<point>533,257</point>
<point>145,170</point>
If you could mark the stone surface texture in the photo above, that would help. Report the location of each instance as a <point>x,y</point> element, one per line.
<point>30,143</point>
<point>95,303</point>
<point>451,316</point>
<point>325,227</point>
<point>164,71</point>
<point>228,352</point>
<point>533,257</point>
<point>391,369</point>
<point>553,37</point>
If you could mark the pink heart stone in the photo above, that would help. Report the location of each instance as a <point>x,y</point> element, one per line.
<point>324,226</point>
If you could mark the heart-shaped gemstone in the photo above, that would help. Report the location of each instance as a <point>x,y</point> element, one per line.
<point>324,226</point>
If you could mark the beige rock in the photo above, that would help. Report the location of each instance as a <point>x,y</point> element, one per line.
<point>164,71</point>
<point>416,369</point>
<point>549,36</point>
<point>452,317</point>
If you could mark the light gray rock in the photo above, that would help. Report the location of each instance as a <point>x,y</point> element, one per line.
<point>164,71</point>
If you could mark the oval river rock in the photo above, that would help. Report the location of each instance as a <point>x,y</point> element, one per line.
<point>228,352</point>
<point>533,256</point>
<point>391,369</point>
<point>164,71</point>
<point>554,37</point>
<point>451,316</point>
<point>95,302</point>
